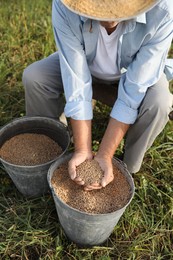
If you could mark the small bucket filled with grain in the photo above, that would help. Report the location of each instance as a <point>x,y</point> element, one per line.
<point>89,217</point>
<point>28,146</point>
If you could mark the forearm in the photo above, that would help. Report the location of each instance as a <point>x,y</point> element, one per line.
<point>114,134</point>
<point>81,135</point>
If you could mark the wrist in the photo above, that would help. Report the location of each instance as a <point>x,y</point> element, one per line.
<point>83,151</point>
<point>104,155</point>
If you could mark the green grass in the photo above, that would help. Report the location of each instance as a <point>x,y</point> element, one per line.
<point>29,228</point>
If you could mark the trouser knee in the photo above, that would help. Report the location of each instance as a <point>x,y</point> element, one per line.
<point>152,118</point>
<point>30,77</point>
<point>157,103</point>
<point>43,94</point>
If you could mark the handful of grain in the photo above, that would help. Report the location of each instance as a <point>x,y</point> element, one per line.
<point>90,172</point>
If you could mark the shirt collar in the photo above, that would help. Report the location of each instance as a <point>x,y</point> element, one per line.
<point>141,18</point>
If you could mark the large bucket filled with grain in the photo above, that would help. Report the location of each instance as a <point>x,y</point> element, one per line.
<point>28,146</point>
<point>89,217</point>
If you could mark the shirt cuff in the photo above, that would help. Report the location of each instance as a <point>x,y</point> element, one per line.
<point>79,110</point>
<point>123,113</point>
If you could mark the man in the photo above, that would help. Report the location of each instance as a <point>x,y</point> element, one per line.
<point>107,42</point>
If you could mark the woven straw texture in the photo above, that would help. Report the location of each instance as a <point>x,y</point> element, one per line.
<point>109,9</point>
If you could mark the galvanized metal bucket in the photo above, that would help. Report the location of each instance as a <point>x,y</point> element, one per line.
<point>83,228</point>
<point>31,181</point>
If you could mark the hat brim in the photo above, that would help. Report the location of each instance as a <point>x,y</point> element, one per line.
<point>117,17</point>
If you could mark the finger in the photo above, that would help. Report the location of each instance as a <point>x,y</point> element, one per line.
<point>78,179</point>
<point>108,177</point>
<point>93,186</point>
<point>79,182</point>
<point>72,171</point>
<point>90,188</point>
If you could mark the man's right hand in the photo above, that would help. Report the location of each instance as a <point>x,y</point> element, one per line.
<point>78,158</point>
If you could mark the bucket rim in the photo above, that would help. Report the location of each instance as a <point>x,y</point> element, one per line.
<point>67,156</point>
<point>31,118</point>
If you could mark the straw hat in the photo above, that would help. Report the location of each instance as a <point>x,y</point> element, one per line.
<point>108,10</point>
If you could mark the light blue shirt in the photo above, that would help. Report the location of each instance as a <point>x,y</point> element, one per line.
<point>142,56</point>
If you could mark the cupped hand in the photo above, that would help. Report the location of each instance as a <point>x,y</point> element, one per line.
<point>107,167</point>
<point>78,158</point>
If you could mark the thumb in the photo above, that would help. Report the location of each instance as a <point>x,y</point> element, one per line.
<point>108,177</point>
<point>72,171</point>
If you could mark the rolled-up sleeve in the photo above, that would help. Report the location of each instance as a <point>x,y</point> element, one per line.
<point>76,76</point>
<point>144,71</point>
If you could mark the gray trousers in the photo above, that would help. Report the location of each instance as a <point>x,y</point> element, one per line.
<point>43,96</point>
